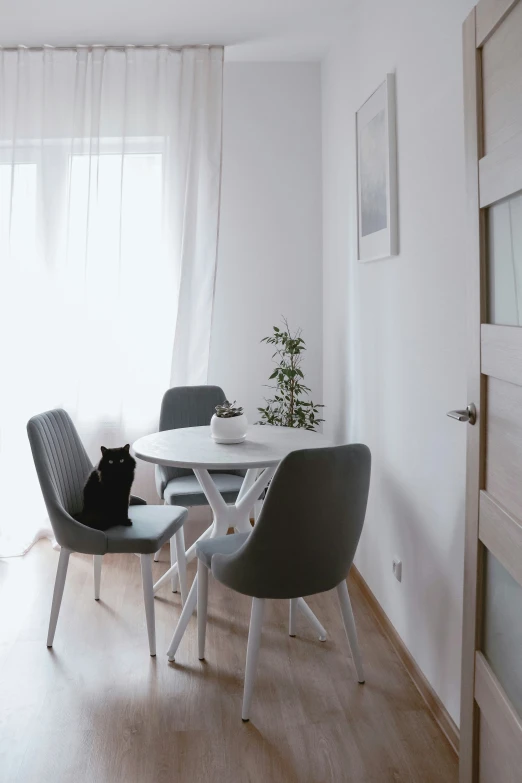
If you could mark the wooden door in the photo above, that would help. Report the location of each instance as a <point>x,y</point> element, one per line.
<point>491,705</point>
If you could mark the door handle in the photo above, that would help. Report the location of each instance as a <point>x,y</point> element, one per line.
<point>469,415</point>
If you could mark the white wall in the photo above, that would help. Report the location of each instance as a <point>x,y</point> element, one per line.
<point>270,240</point>
<point>394,330</point>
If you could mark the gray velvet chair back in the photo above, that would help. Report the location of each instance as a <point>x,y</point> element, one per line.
<point>185,406</point>
<point>62,466</point>
<point>305,538</point>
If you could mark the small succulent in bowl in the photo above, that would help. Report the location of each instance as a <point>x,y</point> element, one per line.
<point>228,410</point>
<point>229,424</point>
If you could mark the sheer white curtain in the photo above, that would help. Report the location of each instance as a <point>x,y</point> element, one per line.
<point>110,164</point>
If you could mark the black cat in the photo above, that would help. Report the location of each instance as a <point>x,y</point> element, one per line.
<point>106,494</point>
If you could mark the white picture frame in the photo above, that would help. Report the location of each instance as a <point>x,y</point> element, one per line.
<point>377,197</point>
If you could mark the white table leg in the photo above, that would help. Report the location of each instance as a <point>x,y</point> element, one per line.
<point>190,554</point>
<point>248,482</point>
<point>225,516</point>
<point>235,516</point>
<point>247,499</point>
<point>221,510</point>
<point>183,621</point>
<point>312,619</point>
<point>243,506</point>
<point>258,504</point>
<point>219,526</point>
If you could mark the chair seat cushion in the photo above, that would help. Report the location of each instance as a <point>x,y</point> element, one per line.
<point>223,545</point>
<point>152,526</point>
<point>186,490</point>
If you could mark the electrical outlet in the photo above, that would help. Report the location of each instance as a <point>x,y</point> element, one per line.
<point>397,569</point>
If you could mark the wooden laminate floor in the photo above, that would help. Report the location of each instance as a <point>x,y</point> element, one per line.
<point>97,709</point>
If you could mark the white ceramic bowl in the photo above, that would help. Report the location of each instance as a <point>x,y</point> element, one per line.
<point>233,430</point>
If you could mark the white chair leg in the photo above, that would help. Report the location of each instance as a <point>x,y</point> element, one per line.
<point>181,556</point>
<point>59,584</point>
<point>173,559</point>
<point>202,608</point>
<point>97,575</point>
<point>157,557</point>
<point>183,621</point>
<point>292,617</point>
<point>254,641</point>
<point>148,597</point>
<point>351,632</point>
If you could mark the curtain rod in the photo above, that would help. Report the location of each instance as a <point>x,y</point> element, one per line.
<point>121,47</point>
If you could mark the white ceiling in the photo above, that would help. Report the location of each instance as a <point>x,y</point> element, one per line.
<point>260,30</point>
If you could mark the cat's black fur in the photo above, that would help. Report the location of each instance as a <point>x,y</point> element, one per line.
<point>106,494</point>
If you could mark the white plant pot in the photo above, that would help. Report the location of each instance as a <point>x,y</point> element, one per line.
<point>233,430</point>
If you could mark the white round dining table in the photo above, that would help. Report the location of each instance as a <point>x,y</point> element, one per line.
<point>193,447</point>
<point>259,454</point>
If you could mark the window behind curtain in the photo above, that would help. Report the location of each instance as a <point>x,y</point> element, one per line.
<point>109,200</point>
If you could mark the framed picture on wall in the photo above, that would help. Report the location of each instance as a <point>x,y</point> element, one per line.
<point>377,174</point>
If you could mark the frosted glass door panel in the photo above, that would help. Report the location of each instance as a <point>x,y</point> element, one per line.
<point>502,642</point>
<point>505,261</point>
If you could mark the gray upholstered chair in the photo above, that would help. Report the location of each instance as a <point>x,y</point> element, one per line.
<point>62,466</point>
<point>191,406</point>
<point>303,543</point>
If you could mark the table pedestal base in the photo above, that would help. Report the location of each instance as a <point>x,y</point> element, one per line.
<point>235,516</point>
<point>190,605</point>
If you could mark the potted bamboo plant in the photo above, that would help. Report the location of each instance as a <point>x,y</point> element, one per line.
<point>290,405</point>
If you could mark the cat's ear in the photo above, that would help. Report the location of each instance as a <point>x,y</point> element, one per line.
<point>103,449</point>
<point>127,446</point>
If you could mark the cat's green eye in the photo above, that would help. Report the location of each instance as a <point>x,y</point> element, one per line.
<point>111,461</point>
<point>121,460</point>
